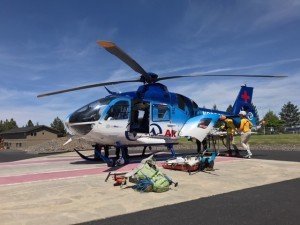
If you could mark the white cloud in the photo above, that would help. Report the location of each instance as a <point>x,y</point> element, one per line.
<point>7,95</point>
<point>276,12</point>
<point>269,64</point>
<point>268,94</point>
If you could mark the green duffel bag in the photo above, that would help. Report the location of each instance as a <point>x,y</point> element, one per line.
<point>146,172</point>
<point>160,182</point>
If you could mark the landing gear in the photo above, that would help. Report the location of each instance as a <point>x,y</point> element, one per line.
<point>98,155</point>
<point>171,149</point>
<point>144,150</point>
<point>120,159</point>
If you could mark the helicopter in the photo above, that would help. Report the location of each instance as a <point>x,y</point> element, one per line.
<point>149,116</point>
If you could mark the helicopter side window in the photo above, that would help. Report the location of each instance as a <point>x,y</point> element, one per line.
<point>160,113</point>
<point>119,111</point>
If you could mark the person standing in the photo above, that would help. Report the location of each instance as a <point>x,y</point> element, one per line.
<point>203,143</point>
<point>230,132</point>
<point>245,129</point>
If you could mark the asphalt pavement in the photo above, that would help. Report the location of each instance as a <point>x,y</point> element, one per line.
<point>14,155</point>
<point>272,204</point>
<point>269,205</point>
<point>294,156</point>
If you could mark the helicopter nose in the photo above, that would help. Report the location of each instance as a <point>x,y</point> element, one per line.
<point>67,125</point>
<point>79,129</point>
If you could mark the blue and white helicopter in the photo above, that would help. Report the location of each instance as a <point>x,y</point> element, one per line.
<point>149,116</point>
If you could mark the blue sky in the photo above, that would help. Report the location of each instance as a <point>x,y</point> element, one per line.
<point>51,45</point>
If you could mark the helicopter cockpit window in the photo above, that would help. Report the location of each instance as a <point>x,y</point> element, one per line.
<point>90,112</point>
<point>160,113</point>
<point>118,111</point>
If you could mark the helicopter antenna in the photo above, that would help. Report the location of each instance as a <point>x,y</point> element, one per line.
<point>117,89</point>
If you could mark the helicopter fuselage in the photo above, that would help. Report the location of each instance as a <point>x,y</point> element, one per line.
<point>151,115</point>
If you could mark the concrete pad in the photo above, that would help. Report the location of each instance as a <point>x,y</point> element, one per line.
<point>85,197</point>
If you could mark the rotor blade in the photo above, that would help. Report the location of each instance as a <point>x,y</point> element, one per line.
<point>219,75</point>
<point>86,86</point>
<point>115,50</point>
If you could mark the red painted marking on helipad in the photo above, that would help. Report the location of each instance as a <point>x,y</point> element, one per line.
<point>49,176</point>
<point>25,178</point>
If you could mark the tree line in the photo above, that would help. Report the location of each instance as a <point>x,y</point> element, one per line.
<point>289,116</point>
<point>57,124</point>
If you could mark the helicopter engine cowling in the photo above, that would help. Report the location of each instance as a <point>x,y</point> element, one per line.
<point>156,91</point>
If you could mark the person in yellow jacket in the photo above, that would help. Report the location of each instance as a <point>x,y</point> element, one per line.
<point>231,130</point>
<point>245,129</point>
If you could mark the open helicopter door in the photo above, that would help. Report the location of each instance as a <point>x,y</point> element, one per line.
<point>140,116</point>
<point>199,126</point>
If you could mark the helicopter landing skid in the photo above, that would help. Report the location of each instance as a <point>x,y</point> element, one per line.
<point>86,157</point>
<point>99,158</point>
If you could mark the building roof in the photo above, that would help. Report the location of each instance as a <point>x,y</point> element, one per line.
<point>30,129</point>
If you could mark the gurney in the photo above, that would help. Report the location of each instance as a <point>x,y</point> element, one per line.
<point>191,163</point>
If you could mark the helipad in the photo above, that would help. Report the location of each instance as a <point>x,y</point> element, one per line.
<point>63,189</point>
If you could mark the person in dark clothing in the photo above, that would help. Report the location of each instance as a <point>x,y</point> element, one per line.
<point>201,144</point>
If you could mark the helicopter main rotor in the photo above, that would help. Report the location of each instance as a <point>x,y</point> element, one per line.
<point>146,77</point>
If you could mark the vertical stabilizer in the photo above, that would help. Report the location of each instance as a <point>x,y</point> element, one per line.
<point>244,102</point>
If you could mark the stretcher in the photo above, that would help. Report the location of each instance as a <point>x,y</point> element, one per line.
<point>191,163</point>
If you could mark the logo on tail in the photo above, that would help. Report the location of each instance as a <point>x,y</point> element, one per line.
<point>243,102</point>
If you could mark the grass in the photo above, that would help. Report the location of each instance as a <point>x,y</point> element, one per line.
<point>275,139</point>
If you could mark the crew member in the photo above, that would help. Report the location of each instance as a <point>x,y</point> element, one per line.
<point>230,132</point>
<point>245,129</point>
<point>200,144</point>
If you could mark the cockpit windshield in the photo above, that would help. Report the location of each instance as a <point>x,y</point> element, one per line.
<point>91,112</point>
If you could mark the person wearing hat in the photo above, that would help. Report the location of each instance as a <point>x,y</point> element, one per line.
<point>245,129</point>
<point>230,132</point>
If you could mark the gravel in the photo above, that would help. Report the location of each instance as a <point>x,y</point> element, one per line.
<point>56,146</point>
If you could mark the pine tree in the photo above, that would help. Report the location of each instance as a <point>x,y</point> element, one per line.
<point>229,109</point>
<point>1,126</point>
<point>215,107</point>
<point>29,124</point>
<point>290,115</point>
<point>272,120</point>
<point>256,112</point>
<point>12,124</point>
<point>58,125</point>
<point>8,125</point>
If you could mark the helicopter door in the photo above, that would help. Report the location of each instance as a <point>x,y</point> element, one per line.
<point>199,126</point>
<point>140,115</point>
<point>116,118</point>
<point>161,121</point>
